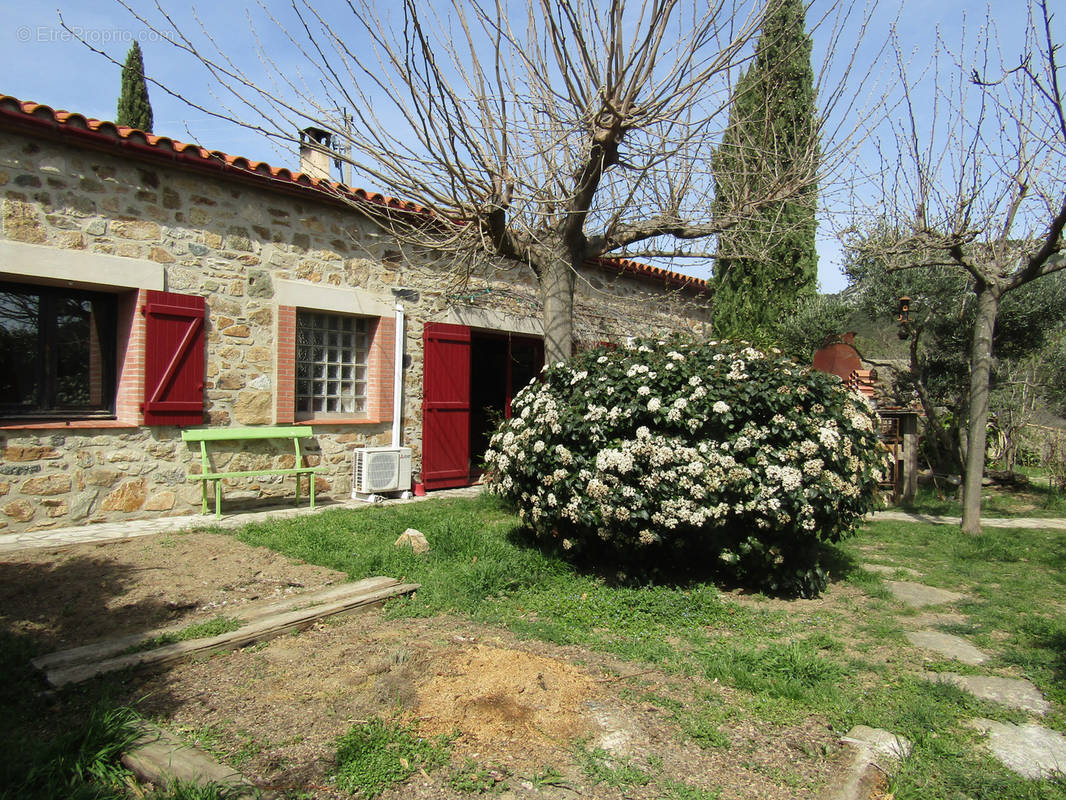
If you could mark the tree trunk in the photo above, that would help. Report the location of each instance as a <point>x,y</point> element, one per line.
<point>557,284</point>
<point>980,375</point>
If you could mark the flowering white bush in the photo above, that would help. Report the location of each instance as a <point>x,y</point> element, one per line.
<point>691,450</point>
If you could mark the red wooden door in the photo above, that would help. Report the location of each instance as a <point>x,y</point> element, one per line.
<point>445,406</point>
<point>173,359</point>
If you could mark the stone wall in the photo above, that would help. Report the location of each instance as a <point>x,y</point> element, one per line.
<point>235,242</point>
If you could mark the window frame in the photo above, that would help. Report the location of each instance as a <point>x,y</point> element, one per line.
<point>46,407</point>
<point>363,329</point>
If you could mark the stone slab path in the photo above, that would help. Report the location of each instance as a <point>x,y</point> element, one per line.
<point>1030,750</point>
<point>947,645</point>
<point>1010,692</point>
<point>918,595</point>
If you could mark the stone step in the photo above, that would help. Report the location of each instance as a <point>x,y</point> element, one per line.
<point>918,595</point>
<point>1030,750</point>
<point>877,753</point>
<point>1010,692</point>
<point>944,643</point>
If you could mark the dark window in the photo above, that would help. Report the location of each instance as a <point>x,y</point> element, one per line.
<point>57,352</point>
<point>331,364</point>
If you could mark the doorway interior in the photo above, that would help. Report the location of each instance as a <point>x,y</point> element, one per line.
<point>470,379</point>
<point>500,367</point>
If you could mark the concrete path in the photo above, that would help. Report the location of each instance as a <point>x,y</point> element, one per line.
<point>918,595</point>
<point>109,531</point>
<point>1014,522</point>
<point>947,645</point>
<point>1010,692</point>
<point>1030,750</point>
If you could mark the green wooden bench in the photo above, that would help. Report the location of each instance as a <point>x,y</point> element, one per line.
<point>205,435</point>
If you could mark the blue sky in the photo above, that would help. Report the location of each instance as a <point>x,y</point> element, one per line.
<point>41,61</point>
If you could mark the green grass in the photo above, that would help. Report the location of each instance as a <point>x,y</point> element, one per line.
<point>600,767</point>
<point>473,561</point>
<point>1035,500</point>
<point>839,662</point>
<point>182,790</point>
<point>84,764</point>
<point>784,666</point>
<point>196,630</point>
<point>699,721</point>
<point>474,778</point>
<point>375,755</point>
<point>678,790</point>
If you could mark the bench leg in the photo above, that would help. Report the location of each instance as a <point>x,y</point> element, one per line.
<point>218,499</point>
<point>203,496</point>
<point>311,488</point>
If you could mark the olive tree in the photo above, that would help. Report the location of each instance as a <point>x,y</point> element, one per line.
<point>972,181</point>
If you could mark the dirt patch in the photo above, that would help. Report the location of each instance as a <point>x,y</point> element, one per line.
<point>274,710</point>
<point>75,595</point>
<point>507,700</point>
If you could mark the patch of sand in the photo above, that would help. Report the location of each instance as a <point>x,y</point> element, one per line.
<point>500,698</point>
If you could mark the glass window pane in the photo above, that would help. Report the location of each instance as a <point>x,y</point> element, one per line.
<point>337,354</point>
<point>57,351</point>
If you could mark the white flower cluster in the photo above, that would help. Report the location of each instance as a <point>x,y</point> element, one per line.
<point>648,443</point>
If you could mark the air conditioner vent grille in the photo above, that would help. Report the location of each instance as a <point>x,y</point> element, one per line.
<point>381,469</point>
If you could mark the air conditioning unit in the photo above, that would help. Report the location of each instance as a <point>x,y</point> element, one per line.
<point>381,469</point>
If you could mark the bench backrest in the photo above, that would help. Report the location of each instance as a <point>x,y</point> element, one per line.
<point>240,434</point>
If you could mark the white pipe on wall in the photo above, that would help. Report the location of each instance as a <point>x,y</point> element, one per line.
<point>397,382</point>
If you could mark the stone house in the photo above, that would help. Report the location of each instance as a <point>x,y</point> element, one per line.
<point>131,264</point>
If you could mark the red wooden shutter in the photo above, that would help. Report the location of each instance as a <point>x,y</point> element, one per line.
<point>445,406</point>
<point>173,359</point>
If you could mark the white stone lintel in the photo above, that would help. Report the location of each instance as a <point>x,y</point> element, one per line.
<point>488,319</point>
<point>77,268</point>
<point>314,296</point>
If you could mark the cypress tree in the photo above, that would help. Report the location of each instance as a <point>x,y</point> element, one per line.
<point>766,263</point>
<point>134,109</point>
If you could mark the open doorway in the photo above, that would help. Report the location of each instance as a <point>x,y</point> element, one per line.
<point>470,379</point>
<point>500,366</point>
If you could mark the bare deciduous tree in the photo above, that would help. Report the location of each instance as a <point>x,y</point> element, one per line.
<point>548,133</point>
<point>976,182</point>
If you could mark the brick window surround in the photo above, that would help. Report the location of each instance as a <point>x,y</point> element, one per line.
<point>380,361</point>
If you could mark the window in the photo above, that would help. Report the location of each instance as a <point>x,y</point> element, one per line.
<point>57,352</point>
<point>331,364</point>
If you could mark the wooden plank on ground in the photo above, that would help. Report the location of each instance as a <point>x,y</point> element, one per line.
<point>258,631</point>
<point>160,758</point>
<point>97,651</point>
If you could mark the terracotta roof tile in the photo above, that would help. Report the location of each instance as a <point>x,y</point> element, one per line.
<point>101,133</point>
